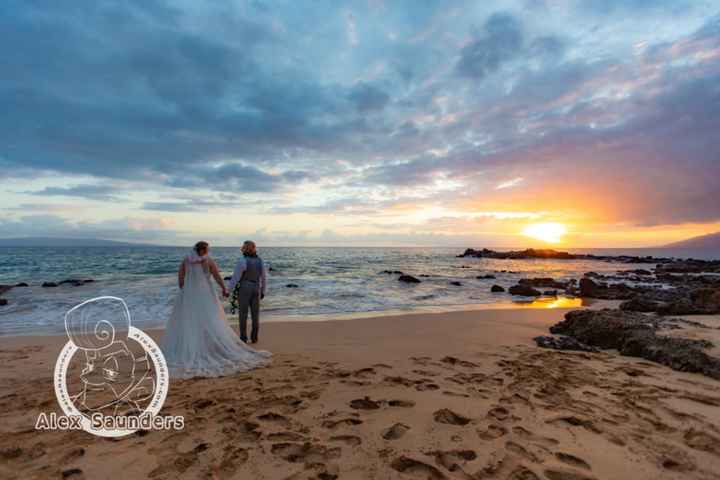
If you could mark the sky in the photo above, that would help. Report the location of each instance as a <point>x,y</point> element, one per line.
<point>457,123</point>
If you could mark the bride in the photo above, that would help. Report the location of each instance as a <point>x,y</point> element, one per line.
<point>198,342</point>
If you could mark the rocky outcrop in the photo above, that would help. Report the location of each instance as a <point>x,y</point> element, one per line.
<point>408,279</point>
<point>524,290</point>
<point>639,303</point>
<point>485,277</point>
<point>637,335</point>
<point>518,254</point>
<point>563,343</point>
<point>702,301</point>
<point>678,301</point>
<point>70,281</point>
<point>543,282</point>
<point>392,272</point>
<point>497,289</point>
<point>456,283</point>
<point>292,285</point>
<point>76,282</point>
<point>689,266</point>
<point>604,291</point>
<point>3,302</point>
<point>547,253</point>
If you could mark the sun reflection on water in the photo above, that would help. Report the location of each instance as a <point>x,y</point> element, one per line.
<point>559,302</point>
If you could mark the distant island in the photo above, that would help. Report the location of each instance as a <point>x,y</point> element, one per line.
<point>703,242</point>
<point>65,242</point>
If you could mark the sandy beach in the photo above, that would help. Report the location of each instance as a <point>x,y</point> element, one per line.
<point>462,395</point>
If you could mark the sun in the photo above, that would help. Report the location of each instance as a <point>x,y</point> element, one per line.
<point>547,232</point>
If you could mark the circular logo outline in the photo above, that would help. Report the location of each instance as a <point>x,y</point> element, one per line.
<point>151,349</point>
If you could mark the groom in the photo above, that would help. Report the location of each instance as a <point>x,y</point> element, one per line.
<point>250,279</point>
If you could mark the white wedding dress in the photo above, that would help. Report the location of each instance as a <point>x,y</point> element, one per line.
<point>198,341</point>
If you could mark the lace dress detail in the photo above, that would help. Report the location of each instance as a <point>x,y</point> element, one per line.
<point>198,341</point>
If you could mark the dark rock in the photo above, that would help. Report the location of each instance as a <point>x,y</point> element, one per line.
<point>292,285</point>
<point>22,284</point>
<point>550,293</point>
<point>71,472</point>
<point>75,282</point>
<point>227,279</point>
<point>485,277</point>
<point>3,302</point>
<point>618,291</point>
<point>49,284</point>
<point>689,266</point>
<point>518,254</point>
<point>456,283</point>
<point>392,272</point>
<point>5,288</point>
<point>701,301</point>
<point>640,303</point>
<point>604,328</point>
<point>563,343</point>
<point>497,288</point>
<point>408,279</point>
<point>524,290</point>
<point>637,271</point>
<point>543,282</point>
<point>635,334</point>
<point>554,254</point>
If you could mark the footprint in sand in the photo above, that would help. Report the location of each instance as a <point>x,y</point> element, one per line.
<point>395,432</point>
<point>417,468</point>
<point>243,432</point>
<point>572,460</point>
<point>499,413</point>
<point>492,432</point>
<point>449,417</point>
<point>523,473</point>
<point>575,422</point>
<point>457,361</point>
<point>232,459</point>
<point>453,459</point>
<point>364,404</point>
<point>276,418</point>
<point>553,474</point>
<point>352,440</point>
<point>333,424</point>
<point>285,437</point>
<point>539,439</point>
<point>305,453</point>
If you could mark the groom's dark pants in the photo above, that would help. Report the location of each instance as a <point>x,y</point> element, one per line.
<point>249,298</point>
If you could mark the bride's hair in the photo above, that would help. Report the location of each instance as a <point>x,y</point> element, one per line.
<point>249,248</point>
<point>201,247</point>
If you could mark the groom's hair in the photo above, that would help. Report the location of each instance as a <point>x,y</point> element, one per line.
<point>249,248</point>
<point>201,246</point>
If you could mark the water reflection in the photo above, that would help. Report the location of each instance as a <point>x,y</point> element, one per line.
<point>551,302</point>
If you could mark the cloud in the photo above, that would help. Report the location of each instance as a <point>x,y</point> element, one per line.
<point>500,40</point>
<point>90,192</point>
<point>269,104</point>
<point>510,183</point>
<point>368,97</point>
<point>131,229</point>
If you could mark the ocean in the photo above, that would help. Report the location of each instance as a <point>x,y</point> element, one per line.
<point>331,282</point>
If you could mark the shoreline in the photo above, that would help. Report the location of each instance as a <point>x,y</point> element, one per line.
<point>544,303</point>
